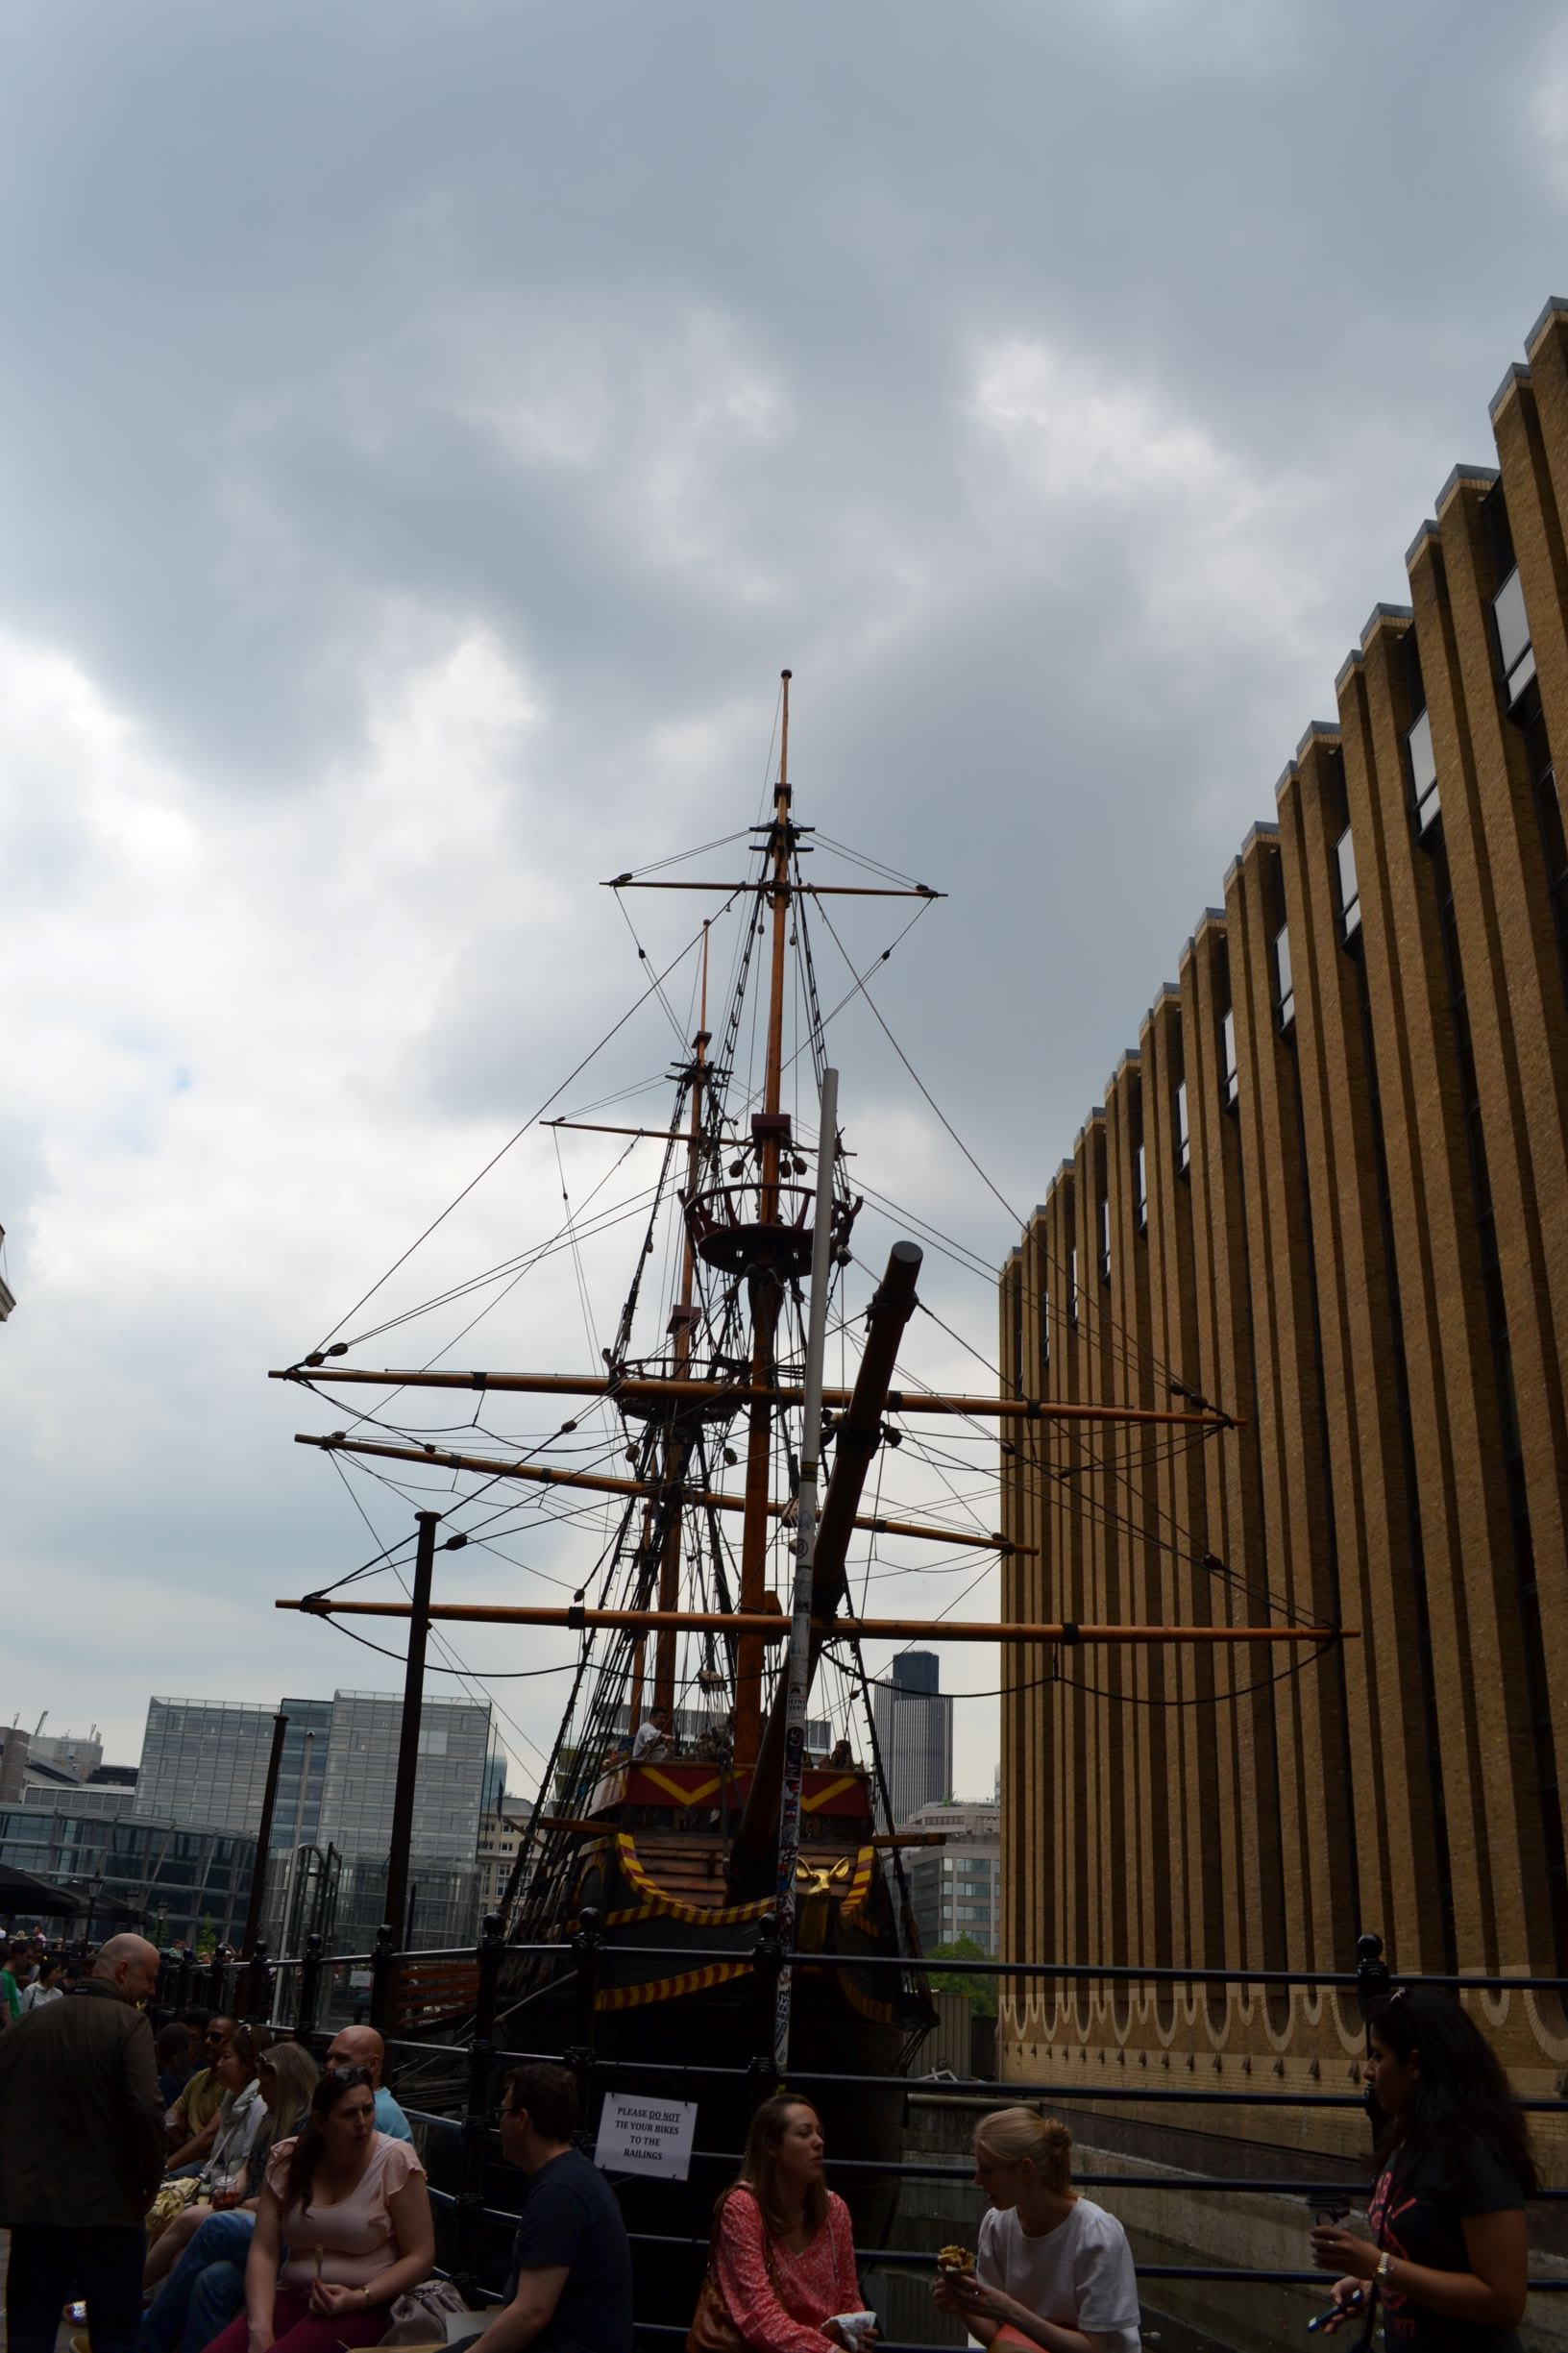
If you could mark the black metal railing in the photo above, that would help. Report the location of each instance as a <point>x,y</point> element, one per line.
<point>365,1987</point>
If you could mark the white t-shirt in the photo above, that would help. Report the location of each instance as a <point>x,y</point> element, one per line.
<point>1079,2275</point>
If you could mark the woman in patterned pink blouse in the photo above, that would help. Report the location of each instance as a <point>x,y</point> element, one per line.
<point>783,2254</point>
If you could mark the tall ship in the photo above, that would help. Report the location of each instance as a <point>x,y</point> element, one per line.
<point>715,1789</point>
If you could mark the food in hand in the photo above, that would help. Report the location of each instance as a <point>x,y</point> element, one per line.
<point>955,2259</point>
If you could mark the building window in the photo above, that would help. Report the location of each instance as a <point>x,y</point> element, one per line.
<point>1072,1284</point>
<point>1284,994</point>
<point>1350,889</point>
<point>1183,1141</point>
<point>1044,1327</point>
<point>1140,1180</point>
<point>1227,1042</point>
<point>1423,771</point>
<point>1514,654</point>
<point>1105,1241</point>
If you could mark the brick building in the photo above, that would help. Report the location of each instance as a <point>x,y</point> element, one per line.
<point>1329,1193</point>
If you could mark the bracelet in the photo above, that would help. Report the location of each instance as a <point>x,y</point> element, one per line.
<point>1381,2274</point>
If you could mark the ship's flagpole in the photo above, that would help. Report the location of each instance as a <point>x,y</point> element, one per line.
<point>797,1668</point>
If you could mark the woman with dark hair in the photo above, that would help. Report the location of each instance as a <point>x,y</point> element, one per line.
<point>782,2265</point>
<point>1053,2268</point>
<point>1448,2254</point>
<point>346,2210</point>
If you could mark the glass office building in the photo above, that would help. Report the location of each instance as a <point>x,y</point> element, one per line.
<point>205,1762</point>
<point>176,1884</point>
<point>462,1775</point>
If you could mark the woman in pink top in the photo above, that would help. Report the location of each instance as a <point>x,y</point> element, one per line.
<point>346,2209</point>
<point>783,2254</point>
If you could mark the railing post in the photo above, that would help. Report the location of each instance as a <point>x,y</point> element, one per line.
<point>182,1980</point>
<point>304,2007</point>
<point>767,1964</point>
<point>470,2249</point>
<point>1373,1980</point>
<point>586,1948</point>
<point>381,1981</point>
<point>256,2004</point>
<point>214,1977</point>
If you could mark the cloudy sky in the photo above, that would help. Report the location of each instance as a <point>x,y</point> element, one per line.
<point>424,434</point>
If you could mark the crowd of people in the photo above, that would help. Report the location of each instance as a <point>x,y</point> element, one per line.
<point>219,2191</point>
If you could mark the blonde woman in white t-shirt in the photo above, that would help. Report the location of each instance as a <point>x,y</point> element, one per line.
<point>1053,2268</point>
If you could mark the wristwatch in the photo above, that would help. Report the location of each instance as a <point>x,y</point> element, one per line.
<point>1381,2274</point>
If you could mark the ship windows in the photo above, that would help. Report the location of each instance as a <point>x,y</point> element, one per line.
<point>1350,889</point>
<point>1141,1179</point>
<point>1184,1141</point>
<point>1227,1046</point>
<point>1513,646</point>
<point>1423,771</point>
<point>1105,1241</point>
<point>1285,993</point>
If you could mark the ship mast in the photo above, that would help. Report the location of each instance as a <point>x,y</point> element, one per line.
<point>764,1282</point>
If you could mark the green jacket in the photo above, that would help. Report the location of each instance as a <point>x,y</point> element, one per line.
<point>82,2135</point>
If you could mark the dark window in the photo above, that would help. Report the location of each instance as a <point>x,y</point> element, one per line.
<point>1285,993</point>
<point>1183,1143</point>
<point>1105,1241</point>
<point>1422,773</point>
<point>1072,1284</point>
<point>1350,889</point>
<point>1045,1328</point>
<point>1227,1044</point>
<point>1141,1179</point>
<point>1515,658</point>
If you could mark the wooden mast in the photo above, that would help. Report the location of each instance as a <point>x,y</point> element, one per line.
<point>775,1627</point>
<point>651,1390</point>
<point>676,1450</point>
<point>763,1285</point>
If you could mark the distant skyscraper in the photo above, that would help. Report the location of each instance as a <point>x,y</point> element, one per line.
<point>914,1732</point>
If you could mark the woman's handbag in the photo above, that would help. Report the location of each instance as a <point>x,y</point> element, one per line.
<point>420,2317</point>
<point>712,2330</point>
<point>173,2197</point>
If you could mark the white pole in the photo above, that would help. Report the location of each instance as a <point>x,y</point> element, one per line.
<point>797,1668</point>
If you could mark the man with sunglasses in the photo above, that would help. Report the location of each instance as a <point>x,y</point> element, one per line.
<point>195,2113</point>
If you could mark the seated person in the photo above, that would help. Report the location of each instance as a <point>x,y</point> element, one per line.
<point>783,2260</point>
<point>346,2212</point>
<point>222,2176</point>
<point>653,1738</point>
<point>571,2282</point>
<point>1053,2268</point>
<point>362,2047</point>
<point>715,1742</point>
<point>173,2062</point>
<point>195,2123</point>
<point>206,2286</point>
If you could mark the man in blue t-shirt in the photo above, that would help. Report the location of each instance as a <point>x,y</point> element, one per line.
<point>570,2285</point>
<point>362,2047</point>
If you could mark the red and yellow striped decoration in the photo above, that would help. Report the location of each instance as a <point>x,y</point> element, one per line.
<point>670,1907</point>
<point>669,1989</point>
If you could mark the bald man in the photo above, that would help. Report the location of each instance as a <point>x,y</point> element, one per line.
<point>81,2152</point>
<point>362,2047</point>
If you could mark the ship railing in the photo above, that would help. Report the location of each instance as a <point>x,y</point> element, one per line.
<point>311,1995</point>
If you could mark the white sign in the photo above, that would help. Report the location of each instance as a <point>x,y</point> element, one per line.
<point>646,2136</point>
